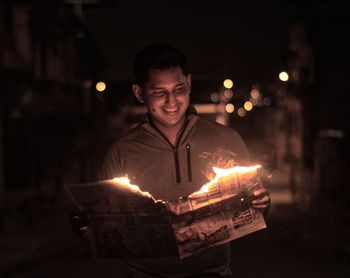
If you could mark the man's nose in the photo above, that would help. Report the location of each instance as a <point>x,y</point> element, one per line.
<point>170,98</point>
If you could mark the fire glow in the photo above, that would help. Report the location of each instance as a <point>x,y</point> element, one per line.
<point>125,182</point>
<point>221,173</point>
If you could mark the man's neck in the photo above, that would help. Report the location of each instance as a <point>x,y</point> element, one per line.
<point>171,133</point>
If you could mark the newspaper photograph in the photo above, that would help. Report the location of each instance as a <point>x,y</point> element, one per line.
<point>126,222</point>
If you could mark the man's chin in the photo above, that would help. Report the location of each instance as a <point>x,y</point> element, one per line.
<point>172,122</point>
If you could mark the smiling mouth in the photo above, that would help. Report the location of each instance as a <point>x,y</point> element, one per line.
<point>171,110</point>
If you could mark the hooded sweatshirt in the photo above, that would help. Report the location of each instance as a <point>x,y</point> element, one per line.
<point>169,172</point>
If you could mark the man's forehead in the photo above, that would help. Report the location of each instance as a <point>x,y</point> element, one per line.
<point>169,70</point>
<point>159,77</point>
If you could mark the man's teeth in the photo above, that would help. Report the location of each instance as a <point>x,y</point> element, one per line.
<point>170,110</point>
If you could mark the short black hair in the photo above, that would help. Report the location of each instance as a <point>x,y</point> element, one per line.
<point>158,56</point>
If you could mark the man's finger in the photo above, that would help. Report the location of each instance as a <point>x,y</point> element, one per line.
<point>260,191</point>
<point>265,199</point>
<point>260,206</point>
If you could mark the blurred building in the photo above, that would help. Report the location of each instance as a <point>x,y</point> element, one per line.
<point>48,64</point>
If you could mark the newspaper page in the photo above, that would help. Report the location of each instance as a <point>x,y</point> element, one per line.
<point>124,223</point>
<point>128,223</point>
<point>218,213</point>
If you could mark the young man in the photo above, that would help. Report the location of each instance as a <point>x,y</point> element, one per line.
<point>171,154</point>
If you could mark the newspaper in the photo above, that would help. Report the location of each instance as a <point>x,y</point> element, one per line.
<point>128,223</point>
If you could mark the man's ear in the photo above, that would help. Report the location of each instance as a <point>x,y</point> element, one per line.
<point>136,89</point>
<point>189,81</point>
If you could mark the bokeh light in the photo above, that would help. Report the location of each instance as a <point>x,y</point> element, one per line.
<point>228,83</point>
<point>100,86</point>
<point>241,112</point>
<point>228,93</point>
<point>248,106</point>
<point>214,97</point>
<point>229,108</point>
<point>283,76</point>
<point>255,93</point>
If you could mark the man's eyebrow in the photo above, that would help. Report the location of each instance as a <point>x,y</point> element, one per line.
<point>160,88</point>
<point>180,84</point>
<point>156,88</point>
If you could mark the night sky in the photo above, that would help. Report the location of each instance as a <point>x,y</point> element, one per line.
<point>247,41</point>
<point>250,37</point>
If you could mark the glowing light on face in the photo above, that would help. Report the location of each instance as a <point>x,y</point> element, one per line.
<point>283,76</point>
<point>167,97</point>
<point>100,86</point>
<point>228,83</point>
<point>229,108</point>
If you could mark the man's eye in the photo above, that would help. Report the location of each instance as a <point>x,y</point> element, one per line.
<point>179,90</point>
<point>158,93</point>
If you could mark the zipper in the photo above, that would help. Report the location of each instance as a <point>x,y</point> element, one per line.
<point>176,153</point>
<point>177,165</point>
<point>175,150</point>
<point>189,167</point>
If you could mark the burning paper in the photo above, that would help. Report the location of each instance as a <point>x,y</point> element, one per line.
<point>127,222</point>
<point>226,184</point>
<point>219,212</point>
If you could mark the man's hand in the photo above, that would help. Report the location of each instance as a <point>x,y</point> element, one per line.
<point>262,199</point>
<point>80,224</point>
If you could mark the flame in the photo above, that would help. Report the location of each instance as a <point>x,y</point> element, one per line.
<point>222,173</point>
<point>124,181</point>
<point>219,174</point>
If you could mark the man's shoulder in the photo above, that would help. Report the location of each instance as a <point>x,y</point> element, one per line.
<point>209,126</point>
<point>135,134</point>
<point>223,136</point>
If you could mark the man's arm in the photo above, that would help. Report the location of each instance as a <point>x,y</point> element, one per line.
<point>113,164</point>
<point>111,168</point>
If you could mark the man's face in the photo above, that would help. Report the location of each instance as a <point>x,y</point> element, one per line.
<point>166,96</point>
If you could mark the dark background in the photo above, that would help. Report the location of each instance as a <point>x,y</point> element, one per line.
<point>55,127</point>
